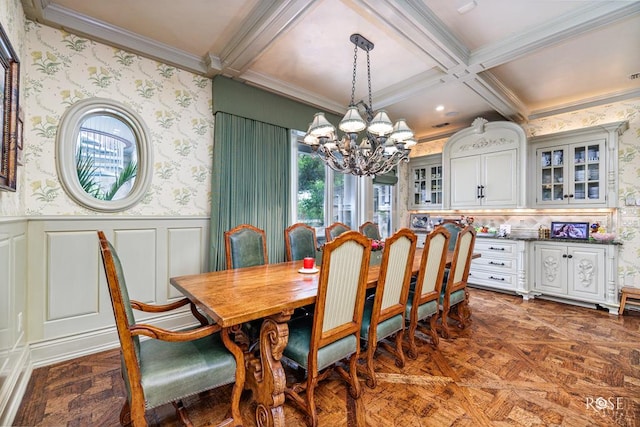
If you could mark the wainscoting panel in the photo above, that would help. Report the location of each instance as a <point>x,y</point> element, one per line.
<point>5,279</point>
<point>14,356</point>
<point>70,311</point>
<point>137,252</point>
<point>72,267</point>
<point>184,255</point>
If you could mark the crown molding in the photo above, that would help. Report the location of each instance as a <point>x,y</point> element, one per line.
<point>266,22</point>
<point>287,89</point>
<point>585,103</point>
<point>555,31</point>
<point>63,18</point>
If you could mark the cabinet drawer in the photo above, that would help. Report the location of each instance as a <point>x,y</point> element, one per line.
<point>494,247</point>
<point>492,279</point>
<point>493,264</point>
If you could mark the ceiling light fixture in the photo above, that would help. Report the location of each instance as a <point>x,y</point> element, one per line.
<point>384,144</point>
<point>464,6</point>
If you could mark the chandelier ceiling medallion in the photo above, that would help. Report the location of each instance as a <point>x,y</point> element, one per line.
<point>384,144</point>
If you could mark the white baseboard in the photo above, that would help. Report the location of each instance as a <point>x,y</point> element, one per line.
<point>16,385</point>
<point>48,352</point>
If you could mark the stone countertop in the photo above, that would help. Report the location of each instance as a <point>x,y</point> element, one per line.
<point>537,239</point>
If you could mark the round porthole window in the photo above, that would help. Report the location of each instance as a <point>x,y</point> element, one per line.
<point>104,155</point>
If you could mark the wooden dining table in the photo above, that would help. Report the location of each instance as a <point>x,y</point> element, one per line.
<point>270,292</point>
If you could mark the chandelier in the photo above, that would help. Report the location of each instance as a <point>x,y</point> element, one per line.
<point>383,145</point>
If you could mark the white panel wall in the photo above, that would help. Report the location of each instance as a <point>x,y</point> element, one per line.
<point>14,356</point>
<point>184,255</point>
<point>70,311</point>
<point>72,268</point>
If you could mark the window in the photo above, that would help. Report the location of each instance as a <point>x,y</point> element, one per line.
<point>383,208</point>
<point>104,155</point>
<point>315,203</point>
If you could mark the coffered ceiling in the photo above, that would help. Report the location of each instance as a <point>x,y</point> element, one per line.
<point>512,59</point>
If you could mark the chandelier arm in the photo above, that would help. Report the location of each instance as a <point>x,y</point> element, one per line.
<point>376,153</point>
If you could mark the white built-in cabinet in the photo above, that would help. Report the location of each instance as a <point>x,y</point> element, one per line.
<point>484,167</point>
<point>501,265</point>
<point>425,182</point>
<point>579,272</point>
<point>576,168</point>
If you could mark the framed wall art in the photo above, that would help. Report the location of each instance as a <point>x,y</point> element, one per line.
<point>9,91</point>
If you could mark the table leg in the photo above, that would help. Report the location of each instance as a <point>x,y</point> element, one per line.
<point>265,374</point>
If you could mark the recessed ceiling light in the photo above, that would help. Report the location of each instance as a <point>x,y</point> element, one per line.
<point>440,108</point>
<point>441,125</point>
<point>464,6</point>
<point>452,113</point>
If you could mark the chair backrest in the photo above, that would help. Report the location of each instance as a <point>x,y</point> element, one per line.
<point>459,271</point>
<point>334,230</point>
<point>395,276</point>
<point>341,292</point>
<point>432,265</point>
<point>122,312</point>
<point>300,242</point>
<point>453,228</point>
<point>371,230</point>
<point>245,246</point>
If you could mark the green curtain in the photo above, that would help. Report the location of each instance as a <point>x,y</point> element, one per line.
<point>250,183</point>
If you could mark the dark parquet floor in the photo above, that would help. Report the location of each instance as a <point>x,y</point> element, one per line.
<point>535,363</point>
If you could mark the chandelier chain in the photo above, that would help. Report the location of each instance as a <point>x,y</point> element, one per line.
<point>353,82</point>
<point>369,83</point>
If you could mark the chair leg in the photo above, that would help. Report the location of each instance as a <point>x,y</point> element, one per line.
<point>312,412</point>
<point>433,332</point>
<point>445,331</point>
<point>412,352</point>
<point>368,369</point>
<point>125,414</point>
<point>182,413</point>
<point>138,416</point>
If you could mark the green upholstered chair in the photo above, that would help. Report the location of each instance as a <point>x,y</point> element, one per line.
<point>300,242</point>
<point>334,230</point>
<point>171,365</point>
<point>454,297</point>
<point>384,314</point>
<point>453,228</point>
<point>371,230</point>
<point>423,300</point>
<point>332,334</point>
<point>245,246</point>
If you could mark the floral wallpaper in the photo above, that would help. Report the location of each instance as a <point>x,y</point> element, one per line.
<point>61,69</point>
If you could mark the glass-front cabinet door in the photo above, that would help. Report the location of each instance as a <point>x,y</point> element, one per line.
<point>571,174</point>
<point>425,185</point>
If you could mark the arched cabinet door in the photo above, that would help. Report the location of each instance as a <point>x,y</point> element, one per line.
<point>104,155</point>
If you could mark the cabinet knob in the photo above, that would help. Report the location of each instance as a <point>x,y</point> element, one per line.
<point>564,255</point>
<point>569,256</point>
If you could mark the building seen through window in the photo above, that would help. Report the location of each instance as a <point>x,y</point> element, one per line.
<point>106,157</point>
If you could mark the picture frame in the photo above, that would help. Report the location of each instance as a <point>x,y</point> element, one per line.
<point>20,138</point>
<point>420,222</point>
<point>570,230</point>
<point>9,92</point>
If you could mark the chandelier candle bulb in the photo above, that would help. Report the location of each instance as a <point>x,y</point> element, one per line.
<point>384,145</point>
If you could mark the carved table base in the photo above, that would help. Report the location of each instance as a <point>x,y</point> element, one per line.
<point>265,375</point>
